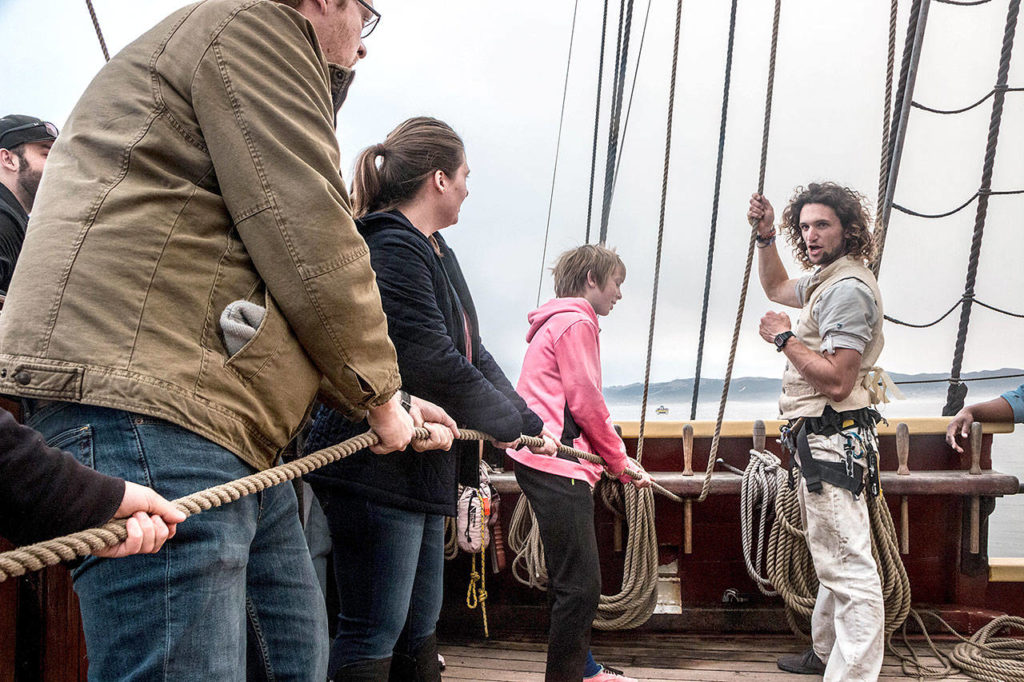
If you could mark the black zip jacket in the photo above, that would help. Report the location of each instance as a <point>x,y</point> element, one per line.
<point>13,221</point>
<point>426,301</point>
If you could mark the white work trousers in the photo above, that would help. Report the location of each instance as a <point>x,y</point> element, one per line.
<point>849,617</point>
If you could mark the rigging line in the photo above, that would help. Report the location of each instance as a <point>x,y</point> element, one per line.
<point>903,209</point>
<point>998,310</point>
<point>597,120</point>
<point>769,90</point>
<point>661,229</point>
<point>558,146</point>
<point>955,395</point>
<point>99,33</point>
<point>947,313</point>
<point>912,47</point>
<point>714,209</point>
<point>622,56</point>
<point>632,90</point>
<point>950,379</point>
<point>885,158</point>
<point>928,324</point>
<point>969,107</point>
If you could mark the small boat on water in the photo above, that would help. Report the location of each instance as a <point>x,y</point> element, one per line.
<point>661,409</point>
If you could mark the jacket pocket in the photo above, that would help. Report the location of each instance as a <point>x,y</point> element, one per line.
<point>266,343</point>
<point>77,442</point>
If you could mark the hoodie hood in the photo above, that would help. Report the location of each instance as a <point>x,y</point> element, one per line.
<point>556,306</point>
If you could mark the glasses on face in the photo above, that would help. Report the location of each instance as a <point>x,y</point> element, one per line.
<point>50,129</point>
<point>370,18</point>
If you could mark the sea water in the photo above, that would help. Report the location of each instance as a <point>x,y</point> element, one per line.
<point>1006,533</point>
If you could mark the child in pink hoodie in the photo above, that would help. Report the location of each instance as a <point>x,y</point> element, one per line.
<point>561,382</point>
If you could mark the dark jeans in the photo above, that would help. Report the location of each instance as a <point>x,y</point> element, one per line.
<point>182,614</point>
<point>389,568</point>
<point>565,514</point>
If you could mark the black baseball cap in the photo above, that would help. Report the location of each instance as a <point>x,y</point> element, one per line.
<point>18,129</point>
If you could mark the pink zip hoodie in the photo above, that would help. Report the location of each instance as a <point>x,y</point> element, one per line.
<point>561,382</point>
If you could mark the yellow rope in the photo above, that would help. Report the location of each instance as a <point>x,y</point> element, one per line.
<point>477,596</point>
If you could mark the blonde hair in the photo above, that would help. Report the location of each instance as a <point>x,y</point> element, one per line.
<point>574,265</point>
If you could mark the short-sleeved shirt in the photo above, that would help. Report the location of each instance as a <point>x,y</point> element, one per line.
<point>846,313</point>
<point>1016,400</point>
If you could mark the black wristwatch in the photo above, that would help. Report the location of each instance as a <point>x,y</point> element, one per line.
<point>405,399</point>
<point>781,339</point>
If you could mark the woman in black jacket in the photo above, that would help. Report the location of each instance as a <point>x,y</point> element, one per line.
<point>386,512</point>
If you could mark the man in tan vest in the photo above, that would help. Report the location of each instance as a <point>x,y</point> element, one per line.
<point>828,388</point>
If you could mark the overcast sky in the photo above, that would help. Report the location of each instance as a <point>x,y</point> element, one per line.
<point>495,71</point>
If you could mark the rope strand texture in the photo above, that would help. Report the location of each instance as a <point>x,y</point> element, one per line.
<point>69,547</point>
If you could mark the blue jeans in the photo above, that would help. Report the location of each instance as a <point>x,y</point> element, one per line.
<point>183,614</point>
<point>389,568</point>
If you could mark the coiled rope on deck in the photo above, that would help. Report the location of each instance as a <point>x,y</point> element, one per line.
<point>69,547</point>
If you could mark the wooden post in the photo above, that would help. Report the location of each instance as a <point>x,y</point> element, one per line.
<point>903,454</point>
<point>975,500</point>
<point>688,503</point>
<point>759,435</point>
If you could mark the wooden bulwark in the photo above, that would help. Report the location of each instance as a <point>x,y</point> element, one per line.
<point>744,429</point>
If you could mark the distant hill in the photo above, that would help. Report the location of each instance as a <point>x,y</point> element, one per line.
<point>765,388</point>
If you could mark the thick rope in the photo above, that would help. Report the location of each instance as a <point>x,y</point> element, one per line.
<point>956,394</point>
<point>99,33</point>
<point>900,114</point>
<point>759,489</point>
<point>791,572</point>
<point>597,121</point>
<point>633,605</point>
<point>632,91</point>
<point>716,439</point>
<point>885,158</point>
<point>558,147</point>
<point>69,547</point>
<point>621,59</point>
<point>661,231</point>
<point>713,230</point>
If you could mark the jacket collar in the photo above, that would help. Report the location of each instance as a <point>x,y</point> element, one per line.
<point>341,80</point>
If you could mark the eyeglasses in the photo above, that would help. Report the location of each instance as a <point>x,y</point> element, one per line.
<point>370,22</point>
<point>50,129</point>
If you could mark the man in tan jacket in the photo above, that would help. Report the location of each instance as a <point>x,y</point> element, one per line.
<point>200,170</point>
<point>828,388</point>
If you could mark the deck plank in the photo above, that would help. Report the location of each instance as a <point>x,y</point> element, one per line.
<point>657,657</point>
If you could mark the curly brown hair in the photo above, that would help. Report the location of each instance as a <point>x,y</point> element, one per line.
<point>851,207</point>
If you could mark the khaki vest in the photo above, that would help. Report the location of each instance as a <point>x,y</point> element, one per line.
<point>799,398</point>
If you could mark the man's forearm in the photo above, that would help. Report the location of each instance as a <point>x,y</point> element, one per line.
<point>771,272</point>
<point>833,375</point>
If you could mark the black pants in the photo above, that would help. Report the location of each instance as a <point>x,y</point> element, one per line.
<point>565,514</point>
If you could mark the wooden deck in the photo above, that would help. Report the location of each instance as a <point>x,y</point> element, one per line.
<point>650,656</point>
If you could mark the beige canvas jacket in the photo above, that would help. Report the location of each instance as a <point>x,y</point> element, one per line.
<point>201,167</point>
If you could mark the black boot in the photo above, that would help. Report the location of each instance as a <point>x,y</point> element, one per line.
<point>420,666</point>
<point>363,671</point>
<point>806,663</point>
